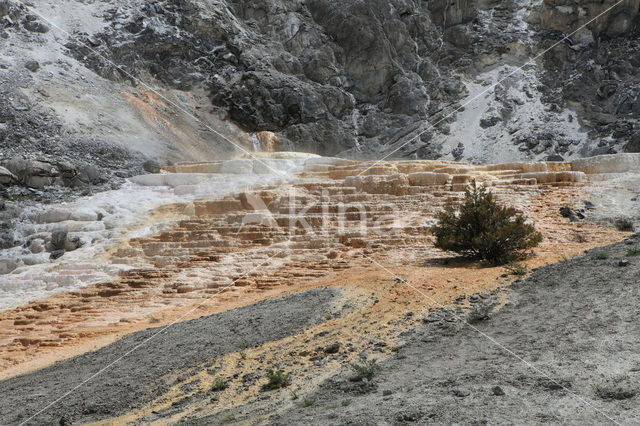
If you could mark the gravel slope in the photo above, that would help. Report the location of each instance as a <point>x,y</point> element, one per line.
<point>143,375</point>
<point>575,323</point>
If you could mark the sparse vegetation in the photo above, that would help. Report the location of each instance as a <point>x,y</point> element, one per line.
<point>366,369</point>
<point>552,283</point>
<point>228,418</point>
<point>624,225</point>
<point>277,380</point>
<point>481,228</point>
<point>614,392</point>
<point>294,395</point>
<point>633,252</point>
<point>308,402</point>
<point>515,268</point>
<point>219,385</point>
<point>346,402</point>
<point>603,255</point>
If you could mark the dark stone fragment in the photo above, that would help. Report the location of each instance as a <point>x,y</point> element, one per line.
<point>58,239</point>
<point>332,349</point>
<point>497,391</point>
<point>56,254</point>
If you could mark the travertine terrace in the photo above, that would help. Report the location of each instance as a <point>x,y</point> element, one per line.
<point>334,223</point>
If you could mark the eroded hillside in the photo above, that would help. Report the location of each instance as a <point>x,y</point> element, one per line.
<point>357,230</point>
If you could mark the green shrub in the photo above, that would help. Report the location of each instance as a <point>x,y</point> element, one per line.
<point>624,225</point>
<point>481,228</point>
<point>346,402</point>
<point>633,252</point>
<point>277,380</point>
<point>515,268</point>
<point>602,255</point>
<point>366,369</point>
<point>218,385</point>
<point>309,402</point>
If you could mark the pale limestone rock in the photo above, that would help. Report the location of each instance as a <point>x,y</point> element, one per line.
<point>611,163</point>
<point>428,178</point>
<point>549,166</point>
<point>385,184</point>
<point>422,165</point>
<point>364,169</point>
<point>212,167</point>
<point>237,167</point>
<point>555,177</point>
<point>57,215</point>
<point>172,179</point>
<point>265,166</point>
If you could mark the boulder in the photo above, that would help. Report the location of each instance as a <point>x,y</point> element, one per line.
<point>34,173</point>
<point>35,26</point>
<point>32,66</point>
<point>56,254</point>
<point>36,246</point>
<point>90,174</point>
<point>6,177</point>
<point>58,239</point>
<point>72,243</point>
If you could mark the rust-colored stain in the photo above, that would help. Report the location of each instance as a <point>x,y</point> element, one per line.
<point>208,259</point>
<point>177,128</point>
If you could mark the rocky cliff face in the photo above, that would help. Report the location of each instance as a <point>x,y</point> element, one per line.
<point>596,72</point>
<point>329,77</point>
<point>180,79</point>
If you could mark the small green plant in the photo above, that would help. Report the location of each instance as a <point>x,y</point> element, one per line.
<point>603,255</point>
<point>366,369</point>
<point>308,402</point>
<point>346,402</point>
<point>294,395</point>
<point>633,252</point>
<point>552,283</point>
<point>515,268</point>
<point>277,380</point>
<point>481,228</point>
<point>228,418</point>
<point>219,385</point>
<point>624,225</point>
<point>535,357</point>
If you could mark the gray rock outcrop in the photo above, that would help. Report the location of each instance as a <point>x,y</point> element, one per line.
<point>597,72</point>
<point>327,76</point>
